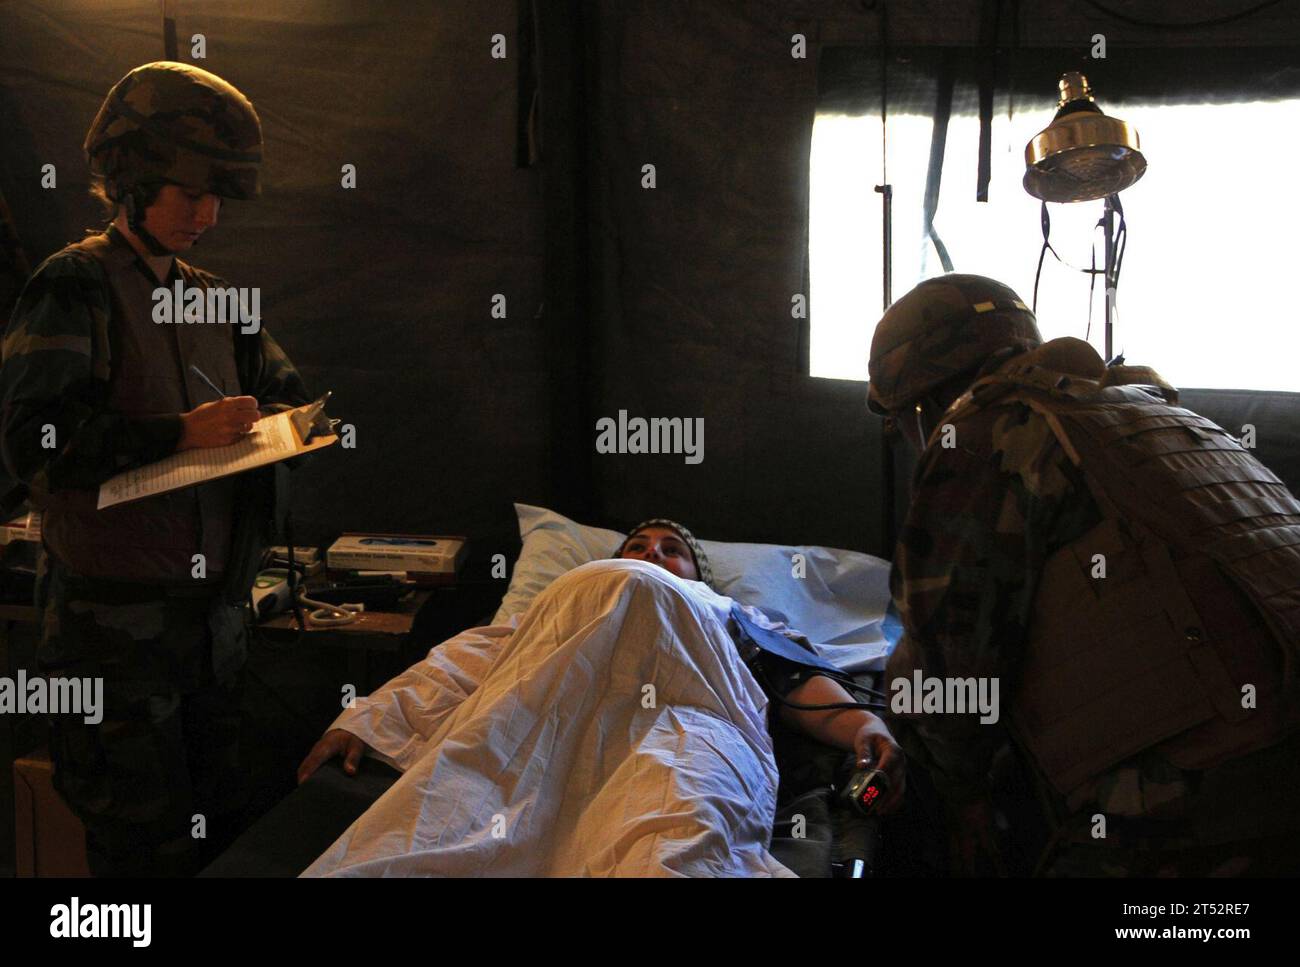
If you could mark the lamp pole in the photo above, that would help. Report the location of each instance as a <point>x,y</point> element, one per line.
<point>1112,283</point>
<point>886,192</point>
<point>1084,155</point>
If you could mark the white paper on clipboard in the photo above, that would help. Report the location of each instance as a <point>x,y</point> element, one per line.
<point>271,440</point>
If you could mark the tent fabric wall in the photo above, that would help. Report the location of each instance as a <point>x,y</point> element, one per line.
<point>696,278</point>
<point>666,302</point>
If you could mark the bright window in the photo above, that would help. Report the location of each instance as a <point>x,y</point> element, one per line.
<point>1206,293</point>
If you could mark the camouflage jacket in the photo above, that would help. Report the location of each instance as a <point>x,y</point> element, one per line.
<point>984,517</point>
<point>57,369</point>
<point>986,514</point>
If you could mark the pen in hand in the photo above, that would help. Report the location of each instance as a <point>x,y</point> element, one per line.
<point>219,423</point>
<point>203,376</point>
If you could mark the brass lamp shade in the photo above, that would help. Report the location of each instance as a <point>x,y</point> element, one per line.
<point>1082,154</point>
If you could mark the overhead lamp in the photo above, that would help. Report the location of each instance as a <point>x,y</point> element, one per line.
<point>1083,154</point>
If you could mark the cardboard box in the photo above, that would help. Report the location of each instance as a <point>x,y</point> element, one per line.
<point>26,527</point>
<point>49,839</point>
<point>425,554</point>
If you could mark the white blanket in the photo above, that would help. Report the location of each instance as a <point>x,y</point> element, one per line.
<point>614,731</point>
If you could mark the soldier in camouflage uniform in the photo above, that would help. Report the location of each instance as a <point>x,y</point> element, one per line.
<point>1121,714</point>
<point>147,595</point>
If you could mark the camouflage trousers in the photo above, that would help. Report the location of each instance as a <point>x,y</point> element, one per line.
<point>157,781</point>
<point>1240,817</point>
<point>1270,856</point>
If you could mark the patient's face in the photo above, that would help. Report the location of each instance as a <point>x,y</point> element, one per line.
<point>662,546</point>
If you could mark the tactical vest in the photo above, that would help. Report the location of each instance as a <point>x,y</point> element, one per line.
<point>1200,545</point>
<point>151,540</point>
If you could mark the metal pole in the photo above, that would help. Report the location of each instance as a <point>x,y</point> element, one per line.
<point>887,470</point>
<point>886,192</point>
<point>887,241</point>
<point>1108,227</point>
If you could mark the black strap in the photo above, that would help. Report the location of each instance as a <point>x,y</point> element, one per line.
<point>990,22</point>
<point>169,29</point>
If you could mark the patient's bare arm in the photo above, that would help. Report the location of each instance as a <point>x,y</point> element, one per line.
<point>332,743</point>
<point>854,730</point>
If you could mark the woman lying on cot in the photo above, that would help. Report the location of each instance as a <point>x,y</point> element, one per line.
<point>551,735</point>
<point>672,547</point>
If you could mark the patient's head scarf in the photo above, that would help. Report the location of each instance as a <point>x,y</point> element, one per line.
<point>697,552</point>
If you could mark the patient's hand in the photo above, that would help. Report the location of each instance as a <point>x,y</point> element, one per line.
<point>332,743</point>
<point>876,749</point>
<point>852,729</point>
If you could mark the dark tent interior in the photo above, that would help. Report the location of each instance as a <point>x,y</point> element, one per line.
<point>456,237</point>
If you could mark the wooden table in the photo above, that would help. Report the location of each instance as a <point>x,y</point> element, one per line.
<point>374,642</point>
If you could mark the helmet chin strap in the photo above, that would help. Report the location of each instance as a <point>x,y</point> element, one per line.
<point>921,434</point>
<point>928,413</point>
<point>134,205</point>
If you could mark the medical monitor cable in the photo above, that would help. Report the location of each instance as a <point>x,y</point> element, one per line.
<point>325,615</point>
<point>829,706</point>
<point>322,614</point>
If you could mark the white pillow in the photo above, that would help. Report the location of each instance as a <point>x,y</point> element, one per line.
<point>839,600</point>
<point>553,545</point>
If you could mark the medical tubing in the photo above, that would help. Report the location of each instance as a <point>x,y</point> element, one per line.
<point>328,615</point>
<point>322,614</point>
<point>846,681</point>
<point>829,706</point>
<point>293,577</point>
<point>851,684</point>
<point>867,706</point>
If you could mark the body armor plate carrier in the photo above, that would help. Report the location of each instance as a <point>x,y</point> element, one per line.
<point>1200,546</point>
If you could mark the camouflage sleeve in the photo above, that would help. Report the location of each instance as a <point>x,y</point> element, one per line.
<point>55,425</point>
<point>276,384</point>
<point>984,515</point>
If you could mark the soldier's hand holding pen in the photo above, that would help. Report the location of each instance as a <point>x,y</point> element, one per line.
<point>219,423</point>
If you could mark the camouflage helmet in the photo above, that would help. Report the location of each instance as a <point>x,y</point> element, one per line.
<point>171,122</point>
<point>944,327</point>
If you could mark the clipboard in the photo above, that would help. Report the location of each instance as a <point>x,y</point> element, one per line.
<point>279,436</point>
<point>310,421</point>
